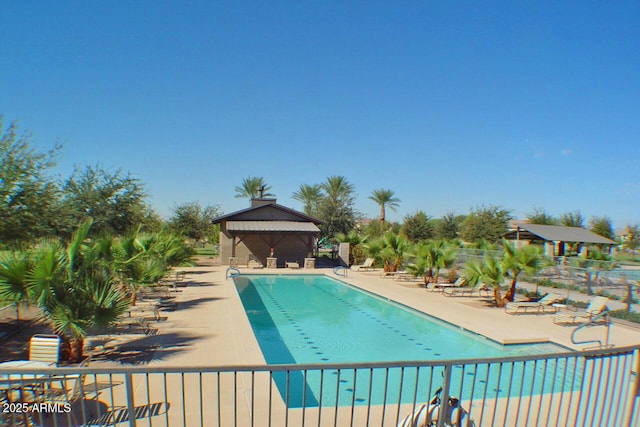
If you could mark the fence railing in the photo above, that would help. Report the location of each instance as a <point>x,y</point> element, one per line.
<point>587,388</point>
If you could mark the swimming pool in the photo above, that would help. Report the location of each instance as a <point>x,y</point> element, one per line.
<point>306,319</point>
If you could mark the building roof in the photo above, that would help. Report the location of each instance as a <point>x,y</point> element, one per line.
<point>265,207</point>
<point>272,226</point>
<point>557,233</point>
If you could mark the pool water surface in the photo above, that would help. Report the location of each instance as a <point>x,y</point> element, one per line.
<point>308,319</point>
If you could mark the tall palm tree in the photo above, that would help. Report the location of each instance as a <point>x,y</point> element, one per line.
<point>309,195</point>
<point>253,187</point>
<point>75,290</point>
<point>338,189</point>
<point>384,199</point>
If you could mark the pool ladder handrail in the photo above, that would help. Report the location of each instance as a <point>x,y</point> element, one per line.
<point>594,322</point>
<point>340,268</point>
<point>231,272</point>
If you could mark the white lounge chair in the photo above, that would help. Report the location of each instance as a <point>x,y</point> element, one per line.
<point>541,306</point>
<point>479,290</point>
<point>595,307</point>
<point>45,348</point>
<point>367,264</point>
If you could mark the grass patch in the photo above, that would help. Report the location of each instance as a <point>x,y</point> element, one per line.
<point>630,316</point>
<point>207,250</point>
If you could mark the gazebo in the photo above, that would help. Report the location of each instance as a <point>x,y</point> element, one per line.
<point>554,237</point>
<point>267,233</point>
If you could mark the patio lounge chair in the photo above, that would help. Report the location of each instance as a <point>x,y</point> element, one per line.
<point>541,306</point>
<point>367,264</point>
<point>595,307</point>
<point>292,264</point>
<point>479,290</point>
<point>439,287</point>
<point>45,348</point>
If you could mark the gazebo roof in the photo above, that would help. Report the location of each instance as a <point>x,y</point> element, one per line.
<point>274,217</point>
<point>557,233</point>
<point>272,226</point>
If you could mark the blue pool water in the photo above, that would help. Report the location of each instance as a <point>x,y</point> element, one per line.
<point>304,319</point>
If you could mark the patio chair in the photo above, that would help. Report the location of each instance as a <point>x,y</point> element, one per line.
<point>61,390</point>
<point>367,264</point>
<point>541,306</point>
<point>595,307</point>
<point>479,290</point>
<point>460,283</point>
<point>45,348</point>
<point>292,264</point>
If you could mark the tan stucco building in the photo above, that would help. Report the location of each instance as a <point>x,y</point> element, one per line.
<point>267,231</point>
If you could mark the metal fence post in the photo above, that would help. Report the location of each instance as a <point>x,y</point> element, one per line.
<point>443,411</point>
<point>131,407</point>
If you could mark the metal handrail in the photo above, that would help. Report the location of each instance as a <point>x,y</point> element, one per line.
<point>231,272</point>
<point>593,322</point>
<point>340,268</point>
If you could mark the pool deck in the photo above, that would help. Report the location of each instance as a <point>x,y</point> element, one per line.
<point>210,328</point>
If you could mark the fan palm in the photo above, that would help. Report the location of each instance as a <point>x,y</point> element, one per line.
<point>384,199</point>
<point>395,249</point>
<point>75,292</point>
<point>527,259</point>
<point>489,272</point>
<point>309,195</point>
<point>253,187</point>
<point>135,265</point>
<point>432,257</point>
<point>13,277</point>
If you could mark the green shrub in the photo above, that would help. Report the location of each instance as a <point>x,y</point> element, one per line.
<point>630,316</point>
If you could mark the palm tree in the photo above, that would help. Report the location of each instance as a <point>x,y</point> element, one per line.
<point>432,257</point>
<point>384,199</point>
<point>338,189</point>
<point>489,272</point>
<point>632,239</point>
<point>309,195</point>
<point>75,289</point>
<point>135,264</point>
<point>353,239</point>
<point>395,249</point>
<point>13,278</point>
<point>253,187</point>
<point>527,259</point>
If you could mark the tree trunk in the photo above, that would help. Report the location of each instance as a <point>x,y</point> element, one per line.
<point>77,344</point>
<point>497,296</point>
<point>511,293</point>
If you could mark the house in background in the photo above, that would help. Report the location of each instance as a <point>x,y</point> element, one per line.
<point>556,237</point>
<point>267,233</point>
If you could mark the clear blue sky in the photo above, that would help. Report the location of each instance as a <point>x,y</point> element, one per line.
<point>451,104</point>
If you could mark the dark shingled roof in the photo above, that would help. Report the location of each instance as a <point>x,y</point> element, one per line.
<point>559,233</point>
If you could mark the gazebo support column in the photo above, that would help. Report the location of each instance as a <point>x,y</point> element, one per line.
<point>549,248</point>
